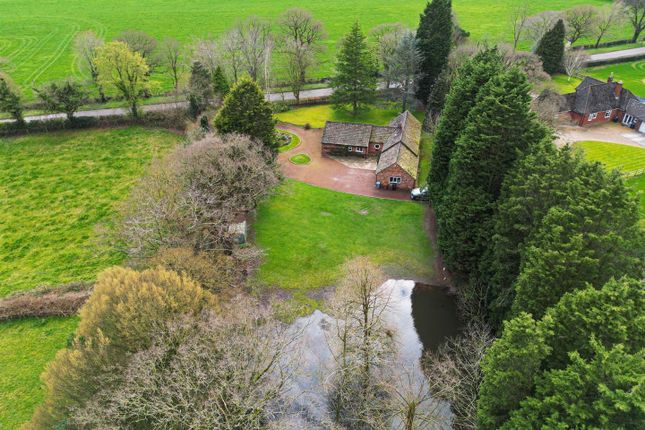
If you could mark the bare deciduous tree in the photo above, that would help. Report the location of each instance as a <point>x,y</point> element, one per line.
<point>404,65</point>
<point>548,106</point>
<point>192,197</point>
<point>519,19</point>
<point>538,25</point>
<point>300,41</point>
<point>143,43</point>
<point>85,46</point>
<point>579,21</point>
<point>635,10</point>
<point>455,374</point>
<point>170,53</point>
<point>574,61</point>
<point>528,62</point>
<point>231,54</point>
<point>206,52</point>
<point>607,18</point>
<point>255,43</point>
<point>387,38</point>
<point>224,371</point>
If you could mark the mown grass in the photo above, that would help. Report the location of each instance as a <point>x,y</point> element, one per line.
<point>54,189</point>
<point>309,232</point>
<point>27,345</point>
<point>316,116</point>
<point>37,37</point>
<point>300,159</point>
<point>613,156</point>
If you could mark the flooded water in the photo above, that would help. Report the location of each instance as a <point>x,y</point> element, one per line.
<point>419,318</point>
<point>434,312</point>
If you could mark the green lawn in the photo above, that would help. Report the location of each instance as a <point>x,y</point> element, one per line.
<point>300,159</point>
<point>37,37</point>
<point>316,116</point>
<point>54,189</point>
<point>308,232</point>
<point>631,73</point>
<point>614,156</point>
<point>27,345</point>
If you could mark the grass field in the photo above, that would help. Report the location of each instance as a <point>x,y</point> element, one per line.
<point>632,74</point>
<point>308,232</point>
<point>37,36</point>
<point>27,345</point>
<point>629,159</point>
<point>316,116</point>
<point>54,189</point>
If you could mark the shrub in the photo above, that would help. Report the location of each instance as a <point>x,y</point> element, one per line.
<point>125,311</point>
<point>64,300</point>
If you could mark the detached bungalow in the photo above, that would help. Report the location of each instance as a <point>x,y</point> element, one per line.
<point>396,145</point>
<point>595,101</point>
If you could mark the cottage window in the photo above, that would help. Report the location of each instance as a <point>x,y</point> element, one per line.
<point>377,146</point>
<point>395,179</point>
<point>349,149</point>
<point>608,114</point>
<point>592,116</point>
<point>359,150</point>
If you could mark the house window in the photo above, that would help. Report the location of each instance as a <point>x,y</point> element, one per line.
<point>359,150</point>
<point>349,149</point>
<point>395,179</point>
<point>592,116</point>
<point>627,119</point>
<point>608,114</point>
<point>377,146</point>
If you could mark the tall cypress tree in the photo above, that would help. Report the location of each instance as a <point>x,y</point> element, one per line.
<point>220,84</point>
<point>551,49</point>
<point>498,129</point>
<point>435,40</point>
<point>200,89</point>
<point>245,111</point>
<point>471,77</point>
<point>356,73</point>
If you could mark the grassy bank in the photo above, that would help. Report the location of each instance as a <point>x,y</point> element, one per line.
<point>55,189</point>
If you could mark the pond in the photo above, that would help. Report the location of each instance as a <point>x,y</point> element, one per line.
<point>434,312</point>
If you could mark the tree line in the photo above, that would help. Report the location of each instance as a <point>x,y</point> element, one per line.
<point>541,243</point>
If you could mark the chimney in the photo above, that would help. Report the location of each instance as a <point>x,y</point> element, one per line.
<point>610,79</point>
<point>618,88</point>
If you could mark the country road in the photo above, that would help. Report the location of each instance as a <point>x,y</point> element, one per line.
<point>273,97</point>
<point>615,55</point>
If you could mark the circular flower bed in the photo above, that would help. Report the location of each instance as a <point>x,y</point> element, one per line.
<point>286,140</point>
<point>300,159</point>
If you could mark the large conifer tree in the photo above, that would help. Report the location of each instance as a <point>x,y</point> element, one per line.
<point>356,73</point>
<point>498,129</point>
<point>245,111</point>
<point>435,40</point>
<point>551,49</point>
<point>471,77</point>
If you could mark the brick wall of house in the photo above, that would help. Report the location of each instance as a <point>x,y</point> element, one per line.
<point>407,181</point>
<point>328,149</point>
<point>373,150</point>
<point>583,120</point>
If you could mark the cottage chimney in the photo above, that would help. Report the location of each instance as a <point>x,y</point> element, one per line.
<point>618,88</point>
<point>610,79</point>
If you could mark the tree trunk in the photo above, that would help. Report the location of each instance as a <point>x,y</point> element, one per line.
<point>134,109</point>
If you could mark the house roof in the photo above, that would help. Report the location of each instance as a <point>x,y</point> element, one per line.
<point>380,134</point>
<point>593,96</point>
<point>347,133</point>
<point>402,147</point>
<point>636,108</point>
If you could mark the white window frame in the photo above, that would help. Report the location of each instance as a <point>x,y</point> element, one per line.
<point>377,146</point>
<point>627,119</point>
<point>359,150</point>
<point>395,179</point>
<point>350,149</point>
<point>608,114</point>
<point>592,116</point>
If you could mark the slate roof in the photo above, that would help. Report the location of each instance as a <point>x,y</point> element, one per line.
<point>346,133</point>
<point>593,96</point>
<point>402,147</point>
<point>636,108</point>
<point>381,134</point>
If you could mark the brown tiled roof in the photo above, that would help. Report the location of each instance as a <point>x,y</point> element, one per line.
<point>402,147</point>
<point>636,108</point>
<point>345,133</point>
<point>593,96</point>
<point>381,134</point>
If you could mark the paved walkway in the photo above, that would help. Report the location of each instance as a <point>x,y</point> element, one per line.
<point>613,133</point>
<point>615,55</point>
<point>327,173</point>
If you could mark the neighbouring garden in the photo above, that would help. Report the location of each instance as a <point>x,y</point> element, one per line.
<point>316,116</point>
<point>631,73</point>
